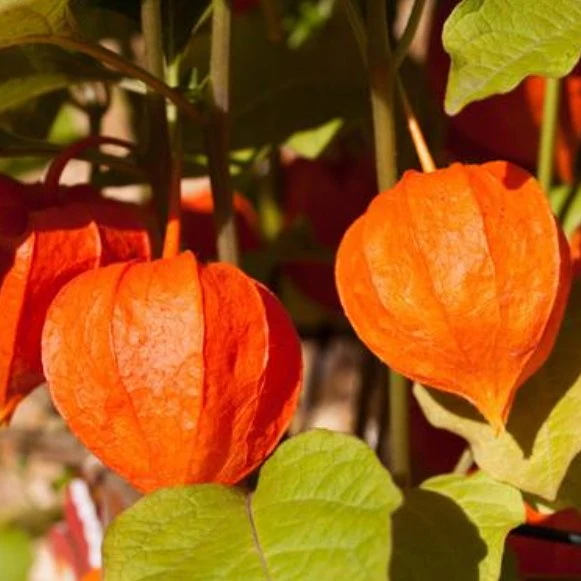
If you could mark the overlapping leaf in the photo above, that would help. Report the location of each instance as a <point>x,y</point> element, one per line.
<point>321,511</point>
<point>28,72</point>
<point>445,513</point>
<point>494,44</point>
<point>278,91</point>
<point>21,18</point>
<point>543,433</point>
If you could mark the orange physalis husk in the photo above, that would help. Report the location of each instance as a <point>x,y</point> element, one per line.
<point>172,372</point>
<point>48,241</point>
<point>458,279</point>
<point>197,222</point>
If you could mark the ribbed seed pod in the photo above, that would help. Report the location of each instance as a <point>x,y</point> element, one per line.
<point>172,372</point>
<point>458,279</point>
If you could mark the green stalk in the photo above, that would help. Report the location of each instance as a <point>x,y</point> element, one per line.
<point>408,34</point>
<point>116,62</point>
<point>381,82</point>
<point>546,156</point>
<point>217,133</point>
<point>382,85</point>
<point>158,151</point>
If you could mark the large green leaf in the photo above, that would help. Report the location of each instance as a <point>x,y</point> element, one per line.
<point>31,71</point>
<point>494,44</point>
<point>454,528</point>
<point>20,18</point>
<point>321,511</point>
<point>278,91</point>
<point>543,433</point>
<point>15,555</point>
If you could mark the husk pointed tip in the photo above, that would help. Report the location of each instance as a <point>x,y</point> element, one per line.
<point>496,420</point>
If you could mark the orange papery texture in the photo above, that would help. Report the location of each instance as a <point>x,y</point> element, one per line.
<point>45,243</point>
<point>172,372</point>
<point>198,227</point>
<point>458,279</point>
<point>329,194</point>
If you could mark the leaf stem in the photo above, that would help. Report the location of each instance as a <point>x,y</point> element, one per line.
<point>171,242</point>
<point>465,462</point>
<point>420,145</point>
<point>546,157</point>
<point>382,85</point>
<point>217,133</point>
<point>118,63</point>
<point>55,170</point>
<point>409,33</point>
<point>158,151</point>
<point>381,82</point>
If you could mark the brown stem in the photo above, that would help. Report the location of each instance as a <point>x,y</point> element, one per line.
<point>420,145</point>
<point>217,133</point>
<point>118,63</point>
<point>55,170</point>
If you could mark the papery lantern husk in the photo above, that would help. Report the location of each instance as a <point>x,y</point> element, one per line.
<point>50,246</point>
<point>172,372</point>
<point>458,279</point>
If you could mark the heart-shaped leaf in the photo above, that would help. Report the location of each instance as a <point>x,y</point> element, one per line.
<point>20,18</point>
<point>279,91</point>
<point>321,511</point>
<point>543,434</point>
<point>447,512</point>
<point>495,44</point>
<point>30,71</point>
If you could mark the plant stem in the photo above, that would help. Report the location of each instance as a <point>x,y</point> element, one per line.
<point>171,242</point>
<point>382,85</point>
<point>420,145</point>
<point>360,34</point>
<point>408,34</point>
<point>381,81</point>
<point>464,462</point>
<point>116,62</point>
<point>217,133</point>
<point>55,170</point>
<point>158,152</point>
<point>548,130</point>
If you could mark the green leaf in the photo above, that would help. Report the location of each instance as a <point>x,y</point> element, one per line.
<point>31,71</point>
<point>543,433</point>
<point>321,511</point>
<point>454,528</point>
<point>278,91</point>
<point>495,44</point>
<point>15,554</point>
<point>312,142</point>
<point>566,203</point>
<point>19,18</point>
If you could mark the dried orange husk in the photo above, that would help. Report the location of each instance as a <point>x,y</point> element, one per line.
<point>172,372</point>
<point>50,246</point>
<point>458,279</point>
